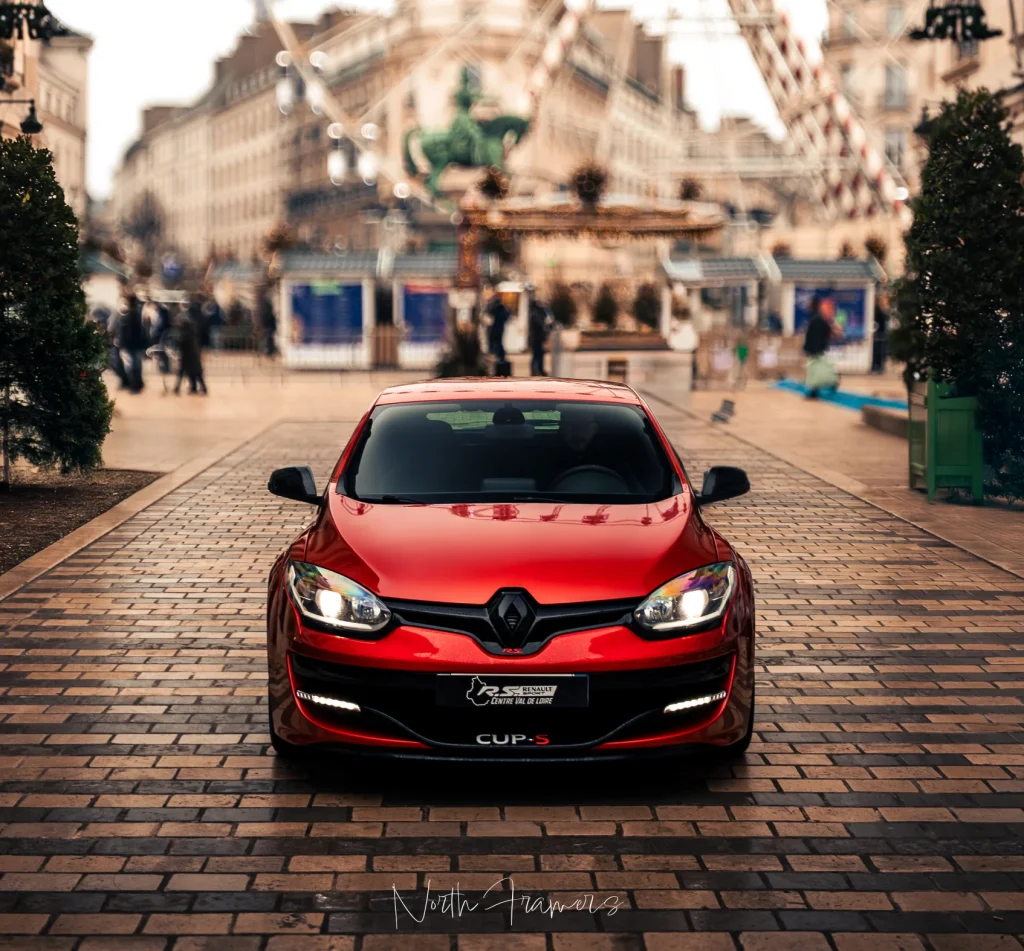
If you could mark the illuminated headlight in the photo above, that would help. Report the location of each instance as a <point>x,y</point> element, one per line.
<point>327,701</point>
<point>695,702</point>
<point>691,600</point>
<point>334,600</point>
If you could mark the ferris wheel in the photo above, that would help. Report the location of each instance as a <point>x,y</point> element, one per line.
<point>847,175</point>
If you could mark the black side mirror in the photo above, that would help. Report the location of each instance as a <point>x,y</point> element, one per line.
<point>296,483</point>
<point>723,482</point>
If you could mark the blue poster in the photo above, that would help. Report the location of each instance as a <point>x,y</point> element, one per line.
<point>425,313</point>
<point>327,312</point>
<point>846,305</point>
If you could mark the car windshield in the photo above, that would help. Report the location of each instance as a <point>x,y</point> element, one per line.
<point>509,451</point>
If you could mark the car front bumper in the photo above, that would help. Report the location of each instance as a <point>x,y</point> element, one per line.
<point>393,683</point>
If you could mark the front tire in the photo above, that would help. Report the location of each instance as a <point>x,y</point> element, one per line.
<point>282,747</point>
<point>743,744</point>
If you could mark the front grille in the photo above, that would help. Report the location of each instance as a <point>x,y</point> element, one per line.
<point>533,624</point>
<point>622,704</point>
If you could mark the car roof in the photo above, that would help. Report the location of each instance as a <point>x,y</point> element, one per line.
<point>485,388</point>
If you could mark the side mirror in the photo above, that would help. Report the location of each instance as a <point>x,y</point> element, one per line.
<point>723,482</point>
<point>296,483</point>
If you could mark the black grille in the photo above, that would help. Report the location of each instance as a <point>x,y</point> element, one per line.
<point>512,622</point>
<point>402,703</point>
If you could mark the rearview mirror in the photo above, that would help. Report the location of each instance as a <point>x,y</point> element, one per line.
<point>723,482</point>
<point>296,483</point>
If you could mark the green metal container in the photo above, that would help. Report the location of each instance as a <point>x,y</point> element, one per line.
<point>944,441</point>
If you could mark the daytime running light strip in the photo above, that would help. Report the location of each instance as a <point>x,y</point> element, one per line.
<point>327,701</point>
<point>696,702</point>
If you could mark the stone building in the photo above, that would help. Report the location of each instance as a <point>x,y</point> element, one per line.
<point>55,75</point>
<point>890,79</point>
<point>996,64</point>
<point>616,99</point>
<point>877,66</point>
<point>220,174</point>
<point>209,177</point>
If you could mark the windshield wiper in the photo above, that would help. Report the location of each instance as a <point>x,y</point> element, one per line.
<point>390,500</point>
<point>541,498</point>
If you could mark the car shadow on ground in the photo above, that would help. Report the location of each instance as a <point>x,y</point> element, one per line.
<point>415,782</point>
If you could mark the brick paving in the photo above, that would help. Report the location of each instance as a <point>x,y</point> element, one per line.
<point>880,806</point>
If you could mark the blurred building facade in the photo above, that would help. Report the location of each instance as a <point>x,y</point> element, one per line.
<point>878,68</point>
<point>890,79</point>
<point>219,175</point>
<point>996,64</point>
<point>56,76</point>
<point>208,177</point>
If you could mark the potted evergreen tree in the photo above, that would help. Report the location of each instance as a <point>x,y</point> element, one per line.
<point>961,302</point>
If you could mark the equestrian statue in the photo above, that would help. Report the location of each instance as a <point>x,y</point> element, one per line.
<point>467,142</point>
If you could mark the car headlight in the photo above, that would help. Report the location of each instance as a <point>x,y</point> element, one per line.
<point>335,601</point>
<point>695,599</point>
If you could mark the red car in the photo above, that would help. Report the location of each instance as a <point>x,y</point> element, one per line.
<point>510,569</point>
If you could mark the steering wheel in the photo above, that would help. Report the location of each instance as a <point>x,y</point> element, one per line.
<point>588,470</point>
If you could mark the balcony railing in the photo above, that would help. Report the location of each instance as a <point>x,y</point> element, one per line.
<point>894,102</point>
<point>831,39</point>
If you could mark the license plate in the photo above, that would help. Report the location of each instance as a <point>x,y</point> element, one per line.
<point>512,690</point>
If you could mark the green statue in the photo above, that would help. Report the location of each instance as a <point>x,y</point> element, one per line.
<point>468,143</point>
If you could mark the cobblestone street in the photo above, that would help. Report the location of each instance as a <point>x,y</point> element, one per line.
<point>881,805</point>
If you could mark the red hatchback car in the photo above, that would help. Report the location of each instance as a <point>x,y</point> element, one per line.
<point>510,569</point>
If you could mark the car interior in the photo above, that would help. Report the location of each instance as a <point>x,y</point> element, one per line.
<point>509,451</point>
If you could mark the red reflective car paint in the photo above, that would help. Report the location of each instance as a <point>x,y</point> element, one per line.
<point>462,554</point>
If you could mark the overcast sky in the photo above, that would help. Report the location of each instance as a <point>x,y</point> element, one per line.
<point>157,52</point>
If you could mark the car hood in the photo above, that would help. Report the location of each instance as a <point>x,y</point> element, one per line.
<point>463,554</point>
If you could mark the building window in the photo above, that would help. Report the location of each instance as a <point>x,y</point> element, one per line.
<point>966,49</point>
<point>475,74</point>
<point>846,81</point>
<point>894,19</point>
<point>895,146</point>
<point>849,24</point>
<point>895,96</point>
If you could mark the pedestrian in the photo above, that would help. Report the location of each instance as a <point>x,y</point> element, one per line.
<point>190,350</point>
<point>101,317</point>
<point>114,358</point>
<point>742,351</point>
<point>498,313</point>
<point>880,341</point>
<point>821,372</point>
<point>539,327</point>
<point>160,337</point>
<point>132,340</point>
<point>213,323</point>
<point>268,322</point>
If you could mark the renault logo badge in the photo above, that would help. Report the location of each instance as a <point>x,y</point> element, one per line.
<point>512,615</point>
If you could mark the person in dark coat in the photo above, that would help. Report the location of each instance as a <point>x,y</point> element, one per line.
<point>499,315</point>
<point>213,324</point>
<point>537,334</point>
<point>821,333</point>
<point>880,342</point>
<point>190,351</point>
<point>160,337</point>
<point>132,340</point>
<point>818,336</point>
<point>268,324</point>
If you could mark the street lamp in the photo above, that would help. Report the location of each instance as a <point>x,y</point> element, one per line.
<point>285,86</point>
<point>337,160</point>
<point>368,167</point>
<point>30,124</point>
<point>316,92</point>
<point>961,22</point>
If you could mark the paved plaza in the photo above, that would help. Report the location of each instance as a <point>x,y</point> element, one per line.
<point>881,805</point>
